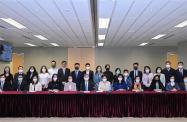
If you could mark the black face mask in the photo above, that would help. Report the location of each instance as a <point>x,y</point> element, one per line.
<point>76,68</point>
<point>107,69</point>
<point>135,68</point>
<point>53,66</point>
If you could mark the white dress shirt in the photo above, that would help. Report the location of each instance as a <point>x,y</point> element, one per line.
<point>44,79</point>
<point>52,71</point>
<point>35,87</point>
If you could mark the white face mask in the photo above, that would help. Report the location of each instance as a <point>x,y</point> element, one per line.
<point>158,71</point>
<point>180,67</point>
<point>86,79</point>
<point>117,72</point>
<point>120,79</point>
<point>147,71</point>
<point>104,79</point>
<point>70,80</point>
<point>2,79</point>
<point>54,79</point>
<point>87,68</point>
<point>172,82</point>
<point>137,81</point>
<point>168,66</point>
<point>35,80</point>
<point>43,70</point>
<point>20,71</point>
<point>99,69</point>
<point>32,70</point>
<point>20,79</point>
<point>126,74</point>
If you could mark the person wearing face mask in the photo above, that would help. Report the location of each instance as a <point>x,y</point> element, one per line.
<point>119,85</point>
<point>2,82</point>
<point>127,80</point>
<point>104,85</point>
<point>88,71</point>
<point>162,76</point>
<point>20,84</point>
<point>168,71</point>
<point>137,84</point>
<point>63,72</point>
<point>35,85</point>
<point>87,84</point>
<point>30,73</point>
<point>108,73</point>
<point>20,72</point>
<point>156,84</point>
<point>70,85</point>
<point>44,77</point>
<point>77,76</point>
<point>172,85</point>
<point>53,69</point>
<point>97,76</point>
<point>181,73</point>
<point>55,85</point>
<point>147,78</point>
<point>135,72</point>
<point>117,72</point>
<point>8,79</point>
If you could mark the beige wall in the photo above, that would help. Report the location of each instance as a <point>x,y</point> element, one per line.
<point>182,50</point>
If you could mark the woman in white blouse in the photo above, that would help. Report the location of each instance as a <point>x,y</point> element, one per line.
<point>44,77</point>
<point>162,76</point>
<point>104,85</point>
<point>147,78</point>
<point>35,85</point>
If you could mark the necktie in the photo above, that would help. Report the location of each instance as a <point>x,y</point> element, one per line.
<point>181,72</point>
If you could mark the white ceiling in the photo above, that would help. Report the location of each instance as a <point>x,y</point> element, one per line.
<point>69,22</point>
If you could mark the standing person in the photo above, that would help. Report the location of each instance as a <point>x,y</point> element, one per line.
<point>88,71</point>
<point>77,76</point>
<point>117,72</point>
<point>147,78</point>
<point>181,73</point>
<point>20,72</point>
<point>168,71</point>
<point>108,73</point>
<point>53,69</point>
<point>97,76</point>
<point>30,74</point>
<point>8,79</point>
<point>162,76</point>
<point>135,72</point>
<point>44,77</point>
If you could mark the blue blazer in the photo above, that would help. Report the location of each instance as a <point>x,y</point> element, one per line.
<point>77,79</point>
<point>128,83</point>
<point>118,85</point>
<point>169,87</point>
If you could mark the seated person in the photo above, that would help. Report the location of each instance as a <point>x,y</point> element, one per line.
<point>172,85</point>
<point>185,83</point>
<point>87,84</point>
<point>55,85</point>
<point>70,85</point>
<point>119,85</point>
<point>156,84</point>
<point>35,85</point>
<point>104,85</point>
<point>20,84</point>
<point>2,82</point>
<point>127,80</point>
<point>137,84</point>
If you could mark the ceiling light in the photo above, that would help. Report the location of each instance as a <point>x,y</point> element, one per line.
<point>158,36</point>
<point>143,44</point>
<point>14,23</point>
<point>183,24</point>
<point>104,22</point>
<point>100,44</point>
<point>54,44</point>
<point>29,44</point>
<point>41,37</point>
<point>101,37</point>
<point>1,38</point>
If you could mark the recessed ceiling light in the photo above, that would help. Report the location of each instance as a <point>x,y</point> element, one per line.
<point>41,37</point>
<point>104,22</point>
<point>101,37</point>
<point>143,44</point>
<point>159,36</point>
<point>1,38</point>
<point>100,44</point>
<point>54,44</point>
<point>14,23</point>
<point>181,25</point>
<point>29,44</point>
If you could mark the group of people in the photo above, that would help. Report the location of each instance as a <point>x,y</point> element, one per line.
<point>62,79</point>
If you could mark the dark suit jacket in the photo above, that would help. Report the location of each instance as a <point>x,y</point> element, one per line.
<point>23,86</point>
<point>179,78</point>
<point>91,86</point>
<point>168,74</point>
<point>8,83</point>
<point>77,79</point>
<point>91,74</point>
<point>132,75</point>
<point>153,85</point>
<point>55,85</point>
<point>63,77</point>
<point>109,75</point>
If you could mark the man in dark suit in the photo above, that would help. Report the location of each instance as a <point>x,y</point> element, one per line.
<point>63,72</point>
<point>168,71</point>
<point>181,73</point>
<point>135,72</point>
<point>87,84</point>
<point>20,72</point>
<point>20,84</point>
<point>88,71</point>
<point>77,76</point>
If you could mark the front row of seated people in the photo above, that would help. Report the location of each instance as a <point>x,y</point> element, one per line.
<point>61,79</point>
